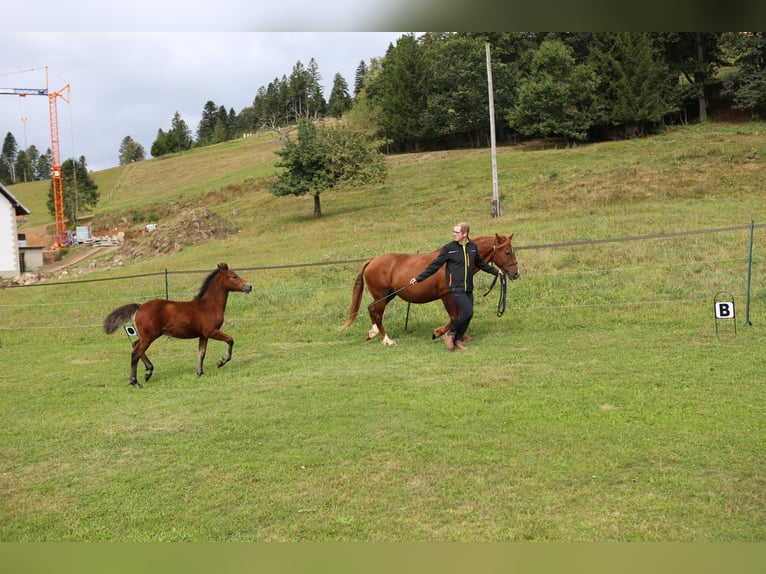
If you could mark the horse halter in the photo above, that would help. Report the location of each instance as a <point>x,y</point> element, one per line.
<point>494,257</point>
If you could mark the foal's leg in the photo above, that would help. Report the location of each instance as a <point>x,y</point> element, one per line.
<point>201,355</point>
<point>221,336</point>
<point>139,352</point>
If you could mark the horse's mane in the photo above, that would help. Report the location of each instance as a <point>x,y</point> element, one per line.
<point>206,284</point>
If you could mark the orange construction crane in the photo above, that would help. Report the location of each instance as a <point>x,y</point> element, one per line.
<point>63,238</point>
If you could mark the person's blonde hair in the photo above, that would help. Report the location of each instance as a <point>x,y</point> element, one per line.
<point>463,227</point>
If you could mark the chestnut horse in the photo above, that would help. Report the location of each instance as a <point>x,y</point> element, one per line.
<point>200,318</point>
<point>388,275</point>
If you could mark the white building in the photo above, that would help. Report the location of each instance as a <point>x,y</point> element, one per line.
<point>10,257</point>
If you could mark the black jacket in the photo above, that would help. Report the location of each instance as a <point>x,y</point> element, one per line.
<point>460,263</point>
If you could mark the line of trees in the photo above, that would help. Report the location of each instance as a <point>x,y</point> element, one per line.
<point>22,165</point>
<point>430,91</point>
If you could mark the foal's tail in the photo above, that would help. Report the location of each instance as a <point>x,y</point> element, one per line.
<point>356,298</point>
<point>119,316</point>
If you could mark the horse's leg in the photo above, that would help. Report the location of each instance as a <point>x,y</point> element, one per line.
<point>139,352</point>
<point>221,336</point>
<point>201,355</point>
<point>376,315</point>
<point>149,367</point>
<point>452,311</point>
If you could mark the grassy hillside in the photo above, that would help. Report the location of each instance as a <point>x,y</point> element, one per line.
<point>601,406</point>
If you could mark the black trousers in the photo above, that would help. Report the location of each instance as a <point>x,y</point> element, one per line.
<point>464,302</point>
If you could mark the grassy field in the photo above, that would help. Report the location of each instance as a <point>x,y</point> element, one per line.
<point>602,406</point>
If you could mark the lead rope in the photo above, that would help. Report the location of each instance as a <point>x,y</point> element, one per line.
<point>501,301</point>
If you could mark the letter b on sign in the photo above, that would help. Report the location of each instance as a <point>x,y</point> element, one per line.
<point>724,309</point>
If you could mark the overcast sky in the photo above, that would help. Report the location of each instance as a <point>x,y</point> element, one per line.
<point>132,83</point>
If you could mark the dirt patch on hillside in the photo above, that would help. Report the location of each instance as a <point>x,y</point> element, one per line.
<point>172,235</point>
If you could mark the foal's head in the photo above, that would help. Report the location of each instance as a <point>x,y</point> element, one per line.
<point>225,279</point>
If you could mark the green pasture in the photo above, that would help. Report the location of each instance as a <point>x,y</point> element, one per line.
<point>602,406</point>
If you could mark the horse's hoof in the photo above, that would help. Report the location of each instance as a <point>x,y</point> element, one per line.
<point>137,384</point>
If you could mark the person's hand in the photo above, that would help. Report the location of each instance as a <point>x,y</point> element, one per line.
<point>500,273</point>
<point>413,281</point>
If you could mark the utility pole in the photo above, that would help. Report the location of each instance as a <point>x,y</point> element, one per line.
<point>496,210</point>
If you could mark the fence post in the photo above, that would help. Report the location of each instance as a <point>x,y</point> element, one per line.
<point>749,275</point>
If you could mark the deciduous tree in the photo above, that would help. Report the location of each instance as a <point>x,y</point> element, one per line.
<point>323,158</point>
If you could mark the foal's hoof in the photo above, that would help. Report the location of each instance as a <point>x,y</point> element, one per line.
<point>137,384</point>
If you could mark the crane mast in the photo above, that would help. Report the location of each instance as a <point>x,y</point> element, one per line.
<point>62,238</point>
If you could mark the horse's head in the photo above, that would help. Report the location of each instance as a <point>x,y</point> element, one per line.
<point>232,280</point>
<point>503,255</point>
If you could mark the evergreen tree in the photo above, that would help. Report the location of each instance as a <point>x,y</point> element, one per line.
<point>43,167</point>
<point>160,146</point>
<point>360,78</point>
<point>401,90</point>
<point>179,134</point>
<point>79,190</point>
<point>33,156</point>
<point>131,151</point>
<point>340,100</point>
<point>206,125</point>
<point>458,102</point>
<point>23,167</point>
<point>635,85</point>
<point>7,159</point>
<point>231,124</point>
<point>297,91</point>
<point>317,105</point>
<point>558,97</point>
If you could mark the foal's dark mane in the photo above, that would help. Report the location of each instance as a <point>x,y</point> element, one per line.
<point>206,284</point>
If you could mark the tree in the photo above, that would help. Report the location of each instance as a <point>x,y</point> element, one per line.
<point>32,158</point>
<point>206,125</point>
<point>458,104</point>
<point>43,166</point>
<point>180,134</point>
<point>558,97</point>
<point>325,158</point>
<point>160,144</point>
<point>747,83</point>
<point>316,102</point>
<point>23,167</point>
<point>340,100</point>
<point>360,78</point>
<point>7,159</point>
<point>131,151</point>
<point>79,190</point>
<point>635,87</point>
<point>401,90</point>
<point>697,56</point>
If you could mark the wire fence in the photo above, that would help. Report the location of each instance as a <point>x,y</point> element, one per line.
<point>88,311</point>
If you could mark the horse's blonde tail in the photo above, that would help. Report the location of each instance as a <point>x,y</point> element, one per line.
<point>356,297</point>
<point>119,316</point>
